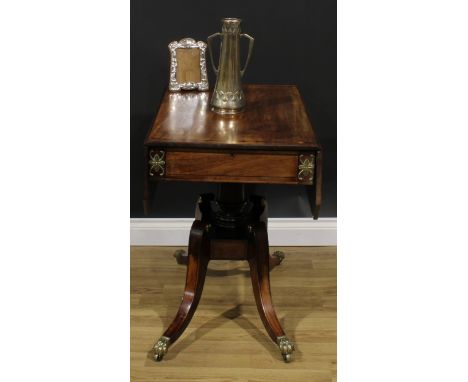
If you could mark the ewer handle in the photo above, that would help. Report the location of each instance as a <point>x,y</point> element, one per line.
<point>208,40</point>
<point>251,42</point>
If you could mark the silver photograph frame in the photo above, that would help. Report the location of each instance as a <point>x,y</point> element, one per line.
<point>187,43</point>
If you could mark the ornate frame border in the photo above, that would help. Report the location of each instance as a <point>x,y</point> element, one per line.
<point>184,44</point>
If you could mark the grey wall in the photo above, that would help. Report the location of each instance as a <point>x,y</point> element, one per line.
<point>295,43</point>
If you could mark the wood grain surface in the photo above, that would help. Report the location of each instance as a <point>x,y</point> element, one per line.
<point>226,340</point>
<point>274,118</point>
<point>231,167</point>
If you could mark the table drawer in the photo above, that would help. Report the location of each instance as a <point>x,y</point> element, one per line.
<point>270,167</point>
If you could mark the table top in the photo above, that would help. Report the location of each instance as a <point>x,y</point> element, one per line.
<point>274,119</point>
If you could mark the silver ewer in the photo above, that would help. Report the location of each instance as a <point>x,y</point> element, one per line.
<point>228,97</point>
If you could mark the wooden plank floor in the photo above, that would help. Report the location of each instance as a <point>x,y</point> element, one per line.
<point>226,340</point>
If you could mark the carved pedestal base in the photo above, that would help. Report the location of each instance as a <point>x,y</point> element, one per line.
<point>229,228</point>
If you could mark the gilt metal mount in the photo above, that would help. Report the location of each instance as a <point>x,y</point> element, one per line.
<point>157,163</point>
<point>286,347</point>
<point>160,348</point>
<point>306,168</point>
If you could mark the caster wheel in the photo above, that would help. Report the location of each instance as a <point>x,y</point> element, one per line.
<point>158,357</point>
<point>181,257</point>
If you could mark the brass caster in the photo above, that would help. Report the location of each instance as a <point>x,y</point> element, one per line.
<point>286,347</point>
<point>279,255</point>
<point>160,349</point>
<point>181,256</point>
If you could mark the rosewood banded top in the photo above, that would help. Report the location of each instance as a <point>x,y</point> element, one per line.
<point>272,141</point>
<point>274,119</point>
